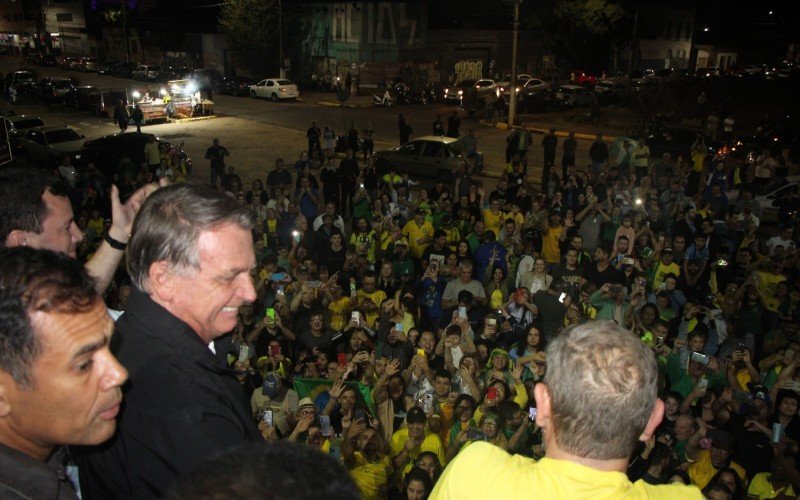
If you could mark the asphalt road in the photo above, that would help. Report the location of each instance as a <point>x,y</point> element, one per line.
<point>257,132</point>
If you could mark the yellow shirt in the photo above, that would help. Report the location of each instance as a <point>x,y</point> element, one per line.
<point>496,299</point>
<point>369,241</point>
<point>767,283</point>
<point>340,310</point>
<point>662,270</point>
<point>702,470</point>
<point>414,232</point>
<point>371,311</point>
<point>698,161</point>
<point>432,443</point>
<point>494,222</point>
<point>486,471</point>
<point>761,487</point>
<point>551,253</point>
<point>371,478</point>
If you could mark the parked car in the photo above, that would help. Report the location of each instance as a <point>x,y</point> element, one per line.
<point>236,85</point>
<point>105,68</point>
<point>146,72</point>
<point>54,90</point>
<point>78,97</point>
<point>205,77</point>
<point>66,62</point>
<point>580,77</point>
<point>22,80</point>
<point>462,90</point>
<point>107,151</point>
<point>17,125</point>
<point>428,156</point>
<point>781,193</point>
<point>87,64</point>
<point>505,83</point>
<point>611,90</point>
<point>49,144</point>
<point>171,73</point>
<point>123,70</point>
<point>275,89</point>
<point>572,95</point>
<point>534,86</point>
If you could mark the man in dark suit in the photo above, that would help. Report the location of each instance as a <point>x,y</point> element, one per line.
<point>189,258</point>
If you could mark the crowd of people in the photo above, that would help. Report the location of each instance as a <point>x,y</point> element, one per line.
<point>399,328</point>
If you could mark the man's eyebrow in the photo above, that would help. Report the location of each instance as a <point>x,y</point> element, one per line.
<point>90,348</point>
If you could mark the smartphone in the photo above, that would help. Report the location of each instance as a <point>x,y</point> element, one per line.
<point>427,404</point>
<point>271,313</point>
<point>361,185</point>
<point>274,350</point>
<point>421,353</point>
<point>352,288</point>
<point>296,236</point>
<point>562,297</point>
<point>277,276</point>
<point>777,432</point>
<point>703,383</point>
<point>700,358</point>
<point>434,265</point>
<point>462,312</point>
<point>341,358</point>
<point>354,316</point>
<point>475,435</point>
<point>360,414</point>
<point>491,393</point>
<point>314,284</point>
<point>491,321</point>
<point>280,290</point>
<point>267,417</point>
<point>244,352</point>
<point>398,327</point>
<point>325,423</point>
<point>532,414</point>
<point>722,263</point>
<point>627,261</point>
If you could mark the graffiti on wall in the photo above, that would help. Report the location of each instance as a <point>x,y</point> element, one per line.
<point>468,70</point>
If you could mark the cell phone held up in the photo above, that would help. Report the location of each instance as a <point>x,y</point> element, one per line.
<point>266,417</point>
<point>700,358</point>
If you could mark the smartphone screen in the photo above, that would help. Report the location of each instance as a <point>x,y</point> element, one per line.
<point>274,350</point>
<point>700,358</point>
<point>398,327</point>
<point>532,414</point>
<point>244,352</point>
<point>562,297</point>
<point>325,423</point>
<point>462,312</point>
<point>280,290</point>
<point>421,352</point>
<point>491,393</point>
<point>267,417</point>
<point>271,313</point>
<point>341,358</point>
<point>277,276</point>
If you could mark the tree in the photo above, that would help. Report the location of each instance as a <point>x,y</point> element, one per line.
<point>251,27</point>
<point>580,32</point>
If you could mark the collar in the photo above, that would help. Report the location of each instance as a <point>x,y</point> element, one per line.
<point>31,478</point>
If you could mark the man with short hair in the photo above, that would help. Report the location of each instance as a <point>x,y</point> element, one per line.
<point>190,259</point>
<point>59,383</point>
<point>591,418</point>
<point>463,282</point>
<point>35,212</point>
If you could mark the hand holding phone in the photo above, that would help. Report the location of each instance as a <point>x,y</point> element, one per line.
<point>267,417</point>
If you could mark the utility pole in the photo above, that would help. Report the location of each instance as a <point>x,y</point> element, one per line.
<point>512,103</point>
<point>125,31</point>
<point>280,38</point>
<point>634,40</point>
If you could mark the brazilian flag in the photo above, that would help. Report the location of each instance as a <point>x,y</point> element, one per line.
<point>313,387</point>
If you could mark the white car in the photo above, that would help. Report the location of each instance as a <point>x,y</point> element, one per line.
<point>572,95</point>
<point>275,89</point>
<point>48,144</point>
<point>772,194</point>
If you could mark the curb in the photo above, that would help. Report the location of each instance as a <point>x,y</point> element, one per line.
<point>333,104</point>
<point>191,119</point>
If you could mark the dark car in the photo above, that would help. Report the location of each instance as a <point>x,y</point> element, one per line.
<point>171,73</point>
<point>236,85</point>
<point>54,90</point>
<point>78,97</point>
<point>122,70</point>
<point>24,81</point>
<point>205,78</point>
<point>107,151</point>
<point>105,68</point>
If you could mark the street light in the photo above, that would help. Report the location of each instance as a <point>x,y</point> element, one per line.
<point>512,104</point>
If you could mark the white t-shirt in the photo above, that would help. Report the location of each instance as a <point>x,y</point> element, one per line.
<point>776,241</point>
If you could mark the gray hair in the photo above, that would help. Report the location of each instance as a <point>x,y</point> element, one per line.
<point>169,224</point>
<point>603,387</point>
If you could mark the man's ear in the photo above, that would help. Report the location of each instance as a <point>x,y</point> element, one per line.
<point>5,403</point>
<point>655,419</point>
<point>161,280</point>
<point>542,395</point>
<point>17,238</point>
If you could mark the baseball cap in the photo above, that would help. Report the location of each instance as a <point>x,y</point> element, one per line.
<point>272,385</point>
<point>666,250</point>
<point>761,393</point>
<point>401,241</point>
<point>416,416</point>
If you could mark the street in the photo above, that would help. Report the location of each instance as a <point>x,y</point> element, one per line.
<point>257,131</point>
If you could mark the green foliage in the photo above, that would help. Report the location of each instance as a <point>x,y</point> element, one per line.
<point>580,32</point>
<point>251,27</point>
